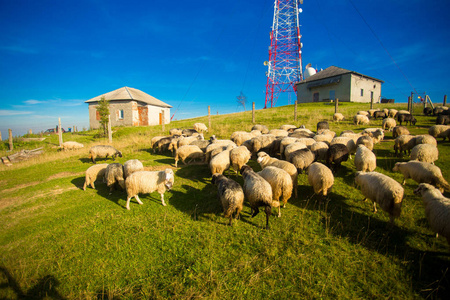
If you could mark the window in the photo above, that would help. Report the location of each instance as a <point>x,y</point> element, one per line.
<point>120,114</point>
<point>371,95</point>
<point>332,95</point>
<point>362,92</point>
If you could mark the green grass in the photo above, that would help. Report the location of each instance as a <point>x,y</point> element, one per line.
<point>58,241</point>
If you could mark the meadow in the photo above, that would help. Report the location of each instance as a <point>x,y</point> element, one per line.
<point>60,242</point>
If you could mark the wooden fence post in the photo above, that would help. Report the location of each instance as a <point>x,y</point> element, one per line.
<point>60,132</point>
<point>253,112</point>
<point>109,129</point>
<point>295,111</point>
<point>11,147</point>
<point>445,100</point>
<point>336,105</point>
<point>209,117</point>
<point>409,103</point>
<point>371,101</point>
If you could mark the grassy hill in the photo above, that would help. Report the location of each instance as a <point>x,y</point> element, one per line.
<point>59,241</point>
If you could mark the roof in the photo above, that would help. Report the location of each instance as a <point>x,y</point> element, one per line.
<point>127,93</point>
<point>333,71</point>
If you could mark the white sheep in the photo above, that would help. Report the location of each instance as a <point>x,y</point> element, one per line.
<point>366,141</point>
<point>403,144</point>
<point>326,137</point>
<point>71,145</point>
<point>214,145</point>
<point>287,127</point>
<point>262,128</point>
<point>258,192</point>
<point>365,159</point>
<point>425,152</point>
<point>388,124</point>
<point>321,179</point>
<point>114,176</point>
<point>360,119</point>
<point>281,184</point>
<point>383,190</point>
<point>399,130</point>
<point>190,152</point>
<point>320,149</point>
<point>304,132</point>
<point>239,137</point>
<point>425,139</point>
<point>291,148</point>
<point>200,127</point>
<point>337,117</point>
<point>221,162</point>
<point>347,141</point>
<point>265,160</point>
<point>440,131</point>
<point>94,173</point>
<point>132,165</point>
<point>285,142</point>
<point>261,142</point>
<point>404,112</point>
<point>372,111</point>
<point>239,157</point>
<point>437,209</point>
<point>278,132</point>
<point>377,134</point>
<point>103,151</point>
<point>392,113</point>
<point>422,172</point>
<point>230,194</point>
<point>362,113</point>
<point>145,182</point>
<point>175,131</point>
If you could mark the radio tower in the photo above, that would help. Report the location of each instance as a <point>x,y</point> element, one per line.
<point>285,55</point>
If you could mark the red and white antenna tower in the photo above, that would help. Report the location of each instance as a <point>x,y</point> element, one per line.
<point>285,55</point>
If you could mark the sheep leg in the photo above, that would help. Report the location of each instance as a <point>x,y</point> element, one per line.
<point>255,211</point>
<point>162,200</point>
<point>84,186</point>
<point>138,200</point>
<point>404,181</point>
<point>279,211</point>
<point>374,207</point>
<point>128,202</point>
<point>268,211</point>
<point>92,185</point>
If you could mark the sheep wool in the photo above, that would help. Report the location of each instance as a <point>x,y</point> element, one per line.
<point>94,173</point>
<point>200,127</point>
<point>146,182</point>
<point>382,190</point>
<point>71,145</point>
<point>231,196</point>
<point>280,182</point>
<point>440,131</point>
<point>114,176</point>
<point>399,130</point>
<point>337,117</point>
<point>190,152</point>
<point>365,159</point>
<point>221,162</point>
<point>320,149</point>
<point>425,152</point>
<point>239,157</point>
<point>388,124</point>
<point>360,120</point>
<point>131,166</point>
<point>422,172</point>
<point>320,178</point>
<point>103,151</point>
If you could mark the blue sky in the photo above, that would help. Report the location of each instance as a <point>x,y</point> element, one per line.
<point>54,55</point>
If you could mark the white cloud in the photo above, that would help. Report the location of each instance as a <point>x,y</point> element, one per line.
<point>5,113</point>
<point>32,102</point>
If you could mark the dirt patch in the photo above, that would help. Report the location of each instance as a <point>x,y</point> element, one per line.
<point>22,186</point>
<point>51,177</point>
<point>64,174</point>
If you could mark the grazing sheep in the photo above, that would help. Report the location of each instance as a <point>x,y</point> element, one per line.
<point>372,111</point>
<point>200,127</point>
<point>440,131</point>
<point>103,151</point>
<point>380,114</point>
<point>442,120</point>
<point>281,184</point>
<point>286,141</point>
<point>278,132</point>
<point>406,118</point>
<point>404,143</point>
<point>337,117</point>
<point>393,113</point>
<point>182,141</point>
<point>427,111</point>
<point>94,173</point>
<point>146,182</point>
<point>347,141</point>
<point>239,137</point>
<point>399,130</point>
<point>383,190</point>
<point>422,172</point>
<point>405,112</point>
<point>365,159</point>
<point>323,125</point>
<point>262,128</point>
<point>265,160</point>
<point>175,131</point>
<point>388,124</point>
<point>114,176</point>
<point>336,154</point>
<point>173,145</point>
<point>360,119</point>
<point>215,143</point>
<point>324,136</point>
<point>154,140</point>
<point>239,157</point>
<point>362,113</point>
<point>302,133</point>
<point>189,132</point>
<point>320,149</point>
<point>377,134</point>
<point>258,193</point>
<point>437,209</point>
<point>131,166</point>
<point>163,143</point>
<point>230,194</point>
<point>287,127</point>
<point>202,144</point>
<point>425,139</point>
<point>221,162</point>
<point>302,159</point>
<point>321,179</point>
<point>190,152</point>
<point>264,142</point>
<point>71,145</point>
<point>291,148</point>
<point>366,141</point>
<point>425,152</point>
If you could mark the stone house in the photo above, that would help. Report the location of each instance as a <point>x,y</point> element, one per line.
<point>130,107</point>
<point>334,82</point>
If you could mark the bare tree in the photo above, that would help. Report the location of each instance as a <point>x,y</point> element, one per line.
<point>242,100</point>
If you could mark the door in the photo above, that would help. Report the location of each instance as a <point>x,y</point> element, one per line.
<point>143,115</point>
<point>316,97</point>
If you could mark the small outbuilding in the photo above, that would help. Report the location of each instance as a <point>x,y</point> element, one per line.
<point>334,82</point>
<point>130,107</point>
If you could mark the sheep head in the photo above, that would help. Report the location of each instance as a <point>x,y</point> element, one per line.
<point>169,178</point>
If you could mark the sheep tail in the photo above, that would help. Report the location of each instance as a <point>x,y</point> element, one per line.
<point>229,212</point>
<point>444,184</point>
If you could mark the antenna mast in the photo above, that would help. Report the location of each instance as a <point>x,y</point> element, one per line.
<point>285,55</point>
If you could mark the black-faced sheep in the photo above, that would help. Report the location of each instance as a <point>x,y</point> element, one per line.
<point>71,145</point>
<point>440,131</point>
<point>131,166</point>
<point>382,190</point>
<point>406,118</point>
<point>437,209</point>
<point>365,159</point>
<point>321,179</point>
<point>231,196</point>
<point>114,176</point>
<point>336,154</point>
<point>425,152</point>
<point>94,173</point>
<point>239,157</point>
<point>103,151</point>
<point>190,152</point>
<point>145,182</point>
<point>422,172</point>
<point>258,193</point>
<point>281,184</point>
<point>302,159</point>
<point>265,160</point>
<point>399,130</point>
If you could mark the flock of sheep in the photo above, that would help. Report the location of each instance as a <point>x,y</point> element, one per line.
<point>285,153</point>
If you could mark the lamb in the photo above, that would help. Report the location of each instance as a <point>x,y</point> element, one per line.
<point>103,151</point>
<point>221,162</point>
<point>114,176</point>
<point>437,209</point>
<point>323,125</point>
<point>265,160</point>
<point>239,157</point>
<point>422,172</point>
<point>360,119</point>
<point>388,124</point>
<point>190,152</point>
<point>337,117</point>
<point>365,159</point>
<point>383,190</point>
<point>200,127</point>
<point>393,113</point>
<point>281,184</point>
<point>406,118</point>
<point>425,152</point>
<point>366,141</point>
<point>94,173</point>
<point>440,131</point>
<point>262,128</point>
<point>399,130</point>
<point>320,149</point>
<point>336,154</point>
<point>131,166</point>
<point>321,179</point>
<point>230,194</point>
<point>71,145</point>
<point>258,193</point>
<point>302,159</point>
<point>404,143</point>
<point>145,182</point>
